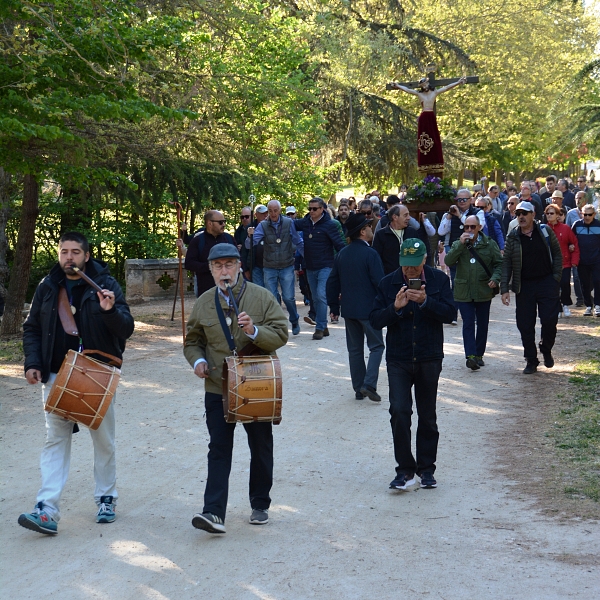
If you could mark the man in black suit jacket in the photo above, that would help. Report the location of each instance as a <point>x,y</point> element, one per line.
<point>388,240</point>
<point>356,273</point>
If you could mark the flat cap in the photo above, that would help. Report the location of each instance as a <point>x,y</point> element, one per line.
<point>223,251</point>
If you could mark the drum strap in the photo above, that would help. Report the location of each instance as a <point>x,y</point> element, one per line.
<point>221,315</point>
<point>64,313</point>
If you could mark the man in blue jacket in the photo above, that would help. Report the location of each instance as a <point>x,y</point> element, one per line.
<point>321,238</point>
<point>587,231</point>
<point>357,271</point>
<point>413,303</point>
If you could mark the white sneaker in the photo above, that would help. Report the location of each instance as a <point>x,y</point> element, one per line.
<point>566,311</point>
<point>588,311</point>
<point>560,314</point>
<point>597,311</point>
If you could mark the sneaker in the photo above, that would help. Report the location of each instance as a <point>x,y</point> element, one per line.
<point>39,520</point>
<point>472,363</point>
<point>358,396</point>
<point>310,320</point>
<point>402,482</point>
<point>335,320</point>
<point>455,323</point>
<point>106,510</point>
<point>208,522</point>
<point>579,304</point>
<point>479,360</point>
<point>370,393</point>
<point>295,328</point>
<point>259,516</point>
<point>325,332</point>
<point>428,480</point>
<point>548,360</point>
<point>318,334</point>
<point>532,365</point>
<point>566,311</point>
<point>597,310</point>
<point>587,312</point>
<point>560,315</point>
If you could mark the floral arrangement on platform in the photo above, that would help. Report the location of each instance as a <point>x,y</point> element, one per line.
<point>431,189</point>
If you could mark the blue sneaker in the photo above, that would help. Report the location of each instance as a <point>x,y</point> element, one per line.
<point>295,328</point>
<point>39,520</point>
<point>403,482</point>
<point>428,480</point>
<point>106,510</point>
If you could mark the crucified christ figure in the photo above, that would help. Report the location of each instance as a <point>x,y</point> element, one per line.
<point>430,158</point>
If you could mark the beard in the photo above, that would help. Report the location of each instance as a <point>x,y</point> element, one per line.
<point>67,267</point>
<point>225,281</point>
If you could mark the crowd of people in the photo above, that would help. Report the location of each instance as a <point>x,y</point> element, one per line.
<point>371,262</point>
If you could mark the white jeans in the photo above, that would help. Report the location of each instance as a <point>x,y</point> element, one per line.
<point>56,457</point>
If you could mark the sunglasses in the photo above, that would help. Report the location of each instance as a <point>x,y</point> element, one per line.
<point>470,226</point>
<point>550,213</point>
<point>311,208</point>
<point>245,216</point>
<point>463,199</point>
<point>367,213</point>
<point>221,222</point>
<point>510,204</point>
<point>589,214</point>
<point>521,213</point>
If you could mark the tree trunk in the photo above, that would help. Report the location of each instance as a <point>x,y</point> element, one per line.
<point>460,178</point>
<point>17,290</point>
<point>498,177</point>
<point>5,193</point>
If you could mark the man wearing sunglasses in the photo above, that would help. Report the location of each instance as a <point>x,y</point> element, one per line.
<point>587,231</point>
<point>452,225</point>
<point>321,238</point>
<point>196,258</point>
<point>532,269</point>
<point>240,235</point>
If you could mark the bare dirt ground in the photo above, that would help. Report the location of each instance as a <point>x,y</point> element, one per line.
<point>498,525</point>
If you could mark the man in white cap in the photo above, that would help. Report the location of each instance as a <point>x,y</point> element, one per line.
<point>532,269</point>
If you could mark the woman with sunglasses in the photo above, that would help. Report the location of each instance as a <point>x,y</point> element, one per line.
<point>570,253</point>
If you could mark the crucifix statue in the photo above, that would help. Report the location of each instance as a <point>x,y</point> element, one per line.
<point>430,158</point>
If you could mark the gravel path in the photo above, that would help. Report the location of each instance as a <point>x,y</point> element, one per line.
<point>336,531</point>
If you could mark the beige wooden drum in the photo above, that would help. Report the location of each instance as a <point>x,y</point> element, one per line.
<point>252,389</point>
<point>83,388</point>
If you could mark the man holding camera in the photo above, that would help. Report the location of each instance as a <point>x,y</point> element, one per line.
<point>413,303</point>
<point>452,225</point>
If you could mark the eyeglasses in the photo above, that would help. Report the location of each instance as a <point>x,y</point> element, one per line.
<point>221,222</point>
<point>521,213</point>
<point>581,181</point>
<point>290,213</point>
<point>245,216</point>
<point>589,214</point>
<point>311,208</point>
<point>227,266</point>
<point>470,226</point>
<point>463,199</point>
<point>367,213</point>
<point>549,214</point>
<point>510,204</point>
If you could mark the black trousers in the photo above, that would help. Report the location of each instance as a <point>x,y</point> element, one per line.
<point>220,450</point>
<point>538,296</point>
<point>424,377</point>
<point>589,275</point>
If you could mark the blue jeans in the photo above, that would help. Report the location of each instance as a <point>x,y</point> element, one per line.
<point>318,281</point>
<point>356,330</point>
<point>472,312</point>
<point>286,279</point>
<point>258,276</point>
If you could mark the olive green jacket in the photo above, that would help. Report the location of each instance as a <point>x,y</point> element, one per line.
<point>512,262</point>
<point>471,281</point>
<point>205,337</point>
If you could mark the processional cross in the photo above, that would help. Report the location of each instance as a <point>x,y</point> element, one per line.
<point>430,157</point>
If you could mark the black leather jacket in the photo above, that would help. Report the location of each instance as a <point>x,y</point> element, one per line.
<point>99,330</point>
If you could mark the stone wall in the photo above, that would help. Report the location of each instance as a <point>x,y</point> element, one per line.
<point>154,279</point>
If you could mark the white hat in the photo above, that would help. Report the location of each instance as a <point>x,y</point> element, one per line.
<point>290,209</point>
<point>260,208</point>
<point>526,206</point>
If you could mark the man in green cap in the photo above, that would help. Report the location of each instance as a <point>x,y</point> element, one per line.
<point>413,303</point>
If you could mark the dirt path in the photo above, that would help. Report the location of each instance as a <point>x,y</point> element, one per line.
<point>336,531</point>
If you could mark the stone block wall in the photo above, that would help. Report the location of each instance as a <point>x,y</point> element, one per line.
<point>154,279</point>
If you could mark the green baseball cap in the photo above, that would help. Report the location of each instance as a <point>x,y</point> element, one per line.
<point>412,252</point>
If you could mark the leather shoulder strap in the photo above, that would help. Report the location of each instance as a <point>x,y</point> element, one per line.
<point>64,313</point>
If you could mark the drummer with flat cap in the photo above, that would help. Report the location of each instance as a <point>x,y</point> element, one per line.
<point>262,322</point>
